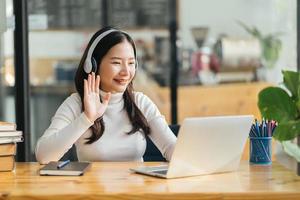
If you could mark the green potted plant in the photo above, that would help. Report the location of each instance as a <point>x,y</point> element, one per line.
<point>283,105</point>
<point>270,44</point>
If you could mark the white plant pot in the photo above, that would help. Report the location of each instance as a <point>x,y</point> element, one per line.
<point>284,159</point>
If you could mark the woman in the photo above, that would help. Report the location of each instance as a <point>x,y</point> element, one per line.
<point>106,119</point>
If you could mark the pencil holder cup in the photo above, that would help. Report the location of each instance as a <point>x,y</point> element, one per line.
<point>261,150</point>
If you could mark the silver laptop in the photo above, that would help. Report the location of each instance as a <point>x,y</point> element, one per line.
<point>205,145</point>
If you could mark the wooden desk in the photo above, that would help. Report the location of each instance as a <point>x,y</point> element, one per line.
<point>115,181</point>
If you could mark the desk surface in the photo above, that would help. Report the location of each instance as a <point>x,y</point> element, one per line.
<point>114,181</point>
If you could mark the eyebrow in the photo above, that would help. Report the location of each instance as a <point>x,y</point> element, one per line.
<point>113,58</point>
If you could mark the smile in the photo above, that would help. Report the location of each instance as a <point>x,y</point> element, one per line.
<point>121,81</point>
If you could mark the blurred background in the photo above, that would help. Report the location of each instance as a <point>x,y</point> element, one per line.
<point>226,52</point>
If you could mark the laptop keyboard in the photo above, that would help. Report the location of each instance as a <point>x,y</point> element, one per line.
<point>164,172</point>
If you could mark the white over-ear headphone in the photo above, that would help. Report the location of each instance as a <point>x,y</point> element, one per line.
<point>90,63</point>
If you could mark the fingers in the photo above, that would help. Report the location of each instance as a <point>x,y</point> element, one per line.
<point>93,82</point>
<point>85,87</point>
<point>89,83</point>
<point>97,84</point>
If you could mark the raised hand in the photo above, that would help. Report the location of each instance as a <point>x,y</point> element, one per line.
<point>93,108</point>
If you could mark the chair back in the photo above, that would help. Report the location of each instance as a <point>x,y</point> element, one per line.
<point>152,153</point>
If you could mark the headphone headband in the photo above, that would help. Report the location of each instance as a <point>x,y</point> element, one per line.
<point>88,65</point>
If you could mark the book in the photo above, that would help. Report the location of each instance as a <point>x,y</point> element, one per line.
<point>7,126</point>
<point>13,139</point>
<point>71,169</point>
<point>7,163</point>
<point>10,133</point>
<point>8,149</point>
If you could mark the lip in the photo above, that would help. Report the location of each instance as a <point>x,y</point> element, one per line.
<point>121,81</point>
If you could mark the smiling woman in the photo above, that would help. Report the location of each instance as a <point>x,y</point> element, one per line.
<point>106,119</point>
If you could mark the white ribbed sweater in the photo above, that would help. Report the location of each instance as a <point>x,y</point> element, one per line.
<point>70,125</point>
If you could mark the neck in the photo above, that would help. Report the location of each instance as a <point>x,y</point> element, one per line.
<point>115,97</point>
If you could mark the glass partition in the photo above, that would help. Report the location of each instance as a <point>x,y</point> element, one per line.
<point>229,51</point>
<point>59,33</point>
<point>7,81</point>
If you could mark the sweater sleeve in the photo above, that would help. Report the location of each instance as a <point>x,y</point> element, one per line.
<point>161,135</point>
<point>66,127</point>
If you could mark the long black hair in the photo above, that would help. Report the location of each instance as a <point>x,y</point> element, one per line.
<point>135,115</point>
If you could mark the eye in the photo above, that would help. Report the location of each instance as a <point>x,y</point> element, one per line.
<point>132,63</point>
<point>116,63</point>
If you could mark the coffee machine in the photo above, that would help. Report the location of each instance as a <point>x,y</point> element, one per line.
<point>204,62</point>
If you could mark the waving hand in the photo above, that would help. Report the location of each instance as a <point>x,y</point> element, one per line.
<point>93,108</point>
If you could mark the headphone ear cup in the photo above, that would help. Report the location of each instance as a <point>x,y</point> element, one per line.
<point>94,65</point>
<point>87,67</point>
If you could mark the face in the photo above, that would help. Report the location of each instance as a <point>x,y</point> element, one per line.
<point>117,68</point>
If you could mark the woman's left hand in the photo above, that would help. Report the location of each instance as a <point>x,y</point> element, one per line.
<point>93,108</point>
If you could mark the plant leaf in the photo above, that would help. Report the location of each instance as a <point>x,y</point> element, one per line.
<point>271,50</point>
<point>298,104</point>
<point>251,30</point>
<point>256,33</point>
<point>291,82</point>
<point>287,130</point>
<point>247,28</point>
<point>275,103</point>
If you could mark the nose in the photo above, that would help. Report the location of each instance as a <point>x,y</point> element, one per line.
<point>125,69</point>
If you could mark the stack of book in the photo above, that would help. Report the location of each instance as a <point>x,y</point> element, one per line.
<point>9,137</point>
